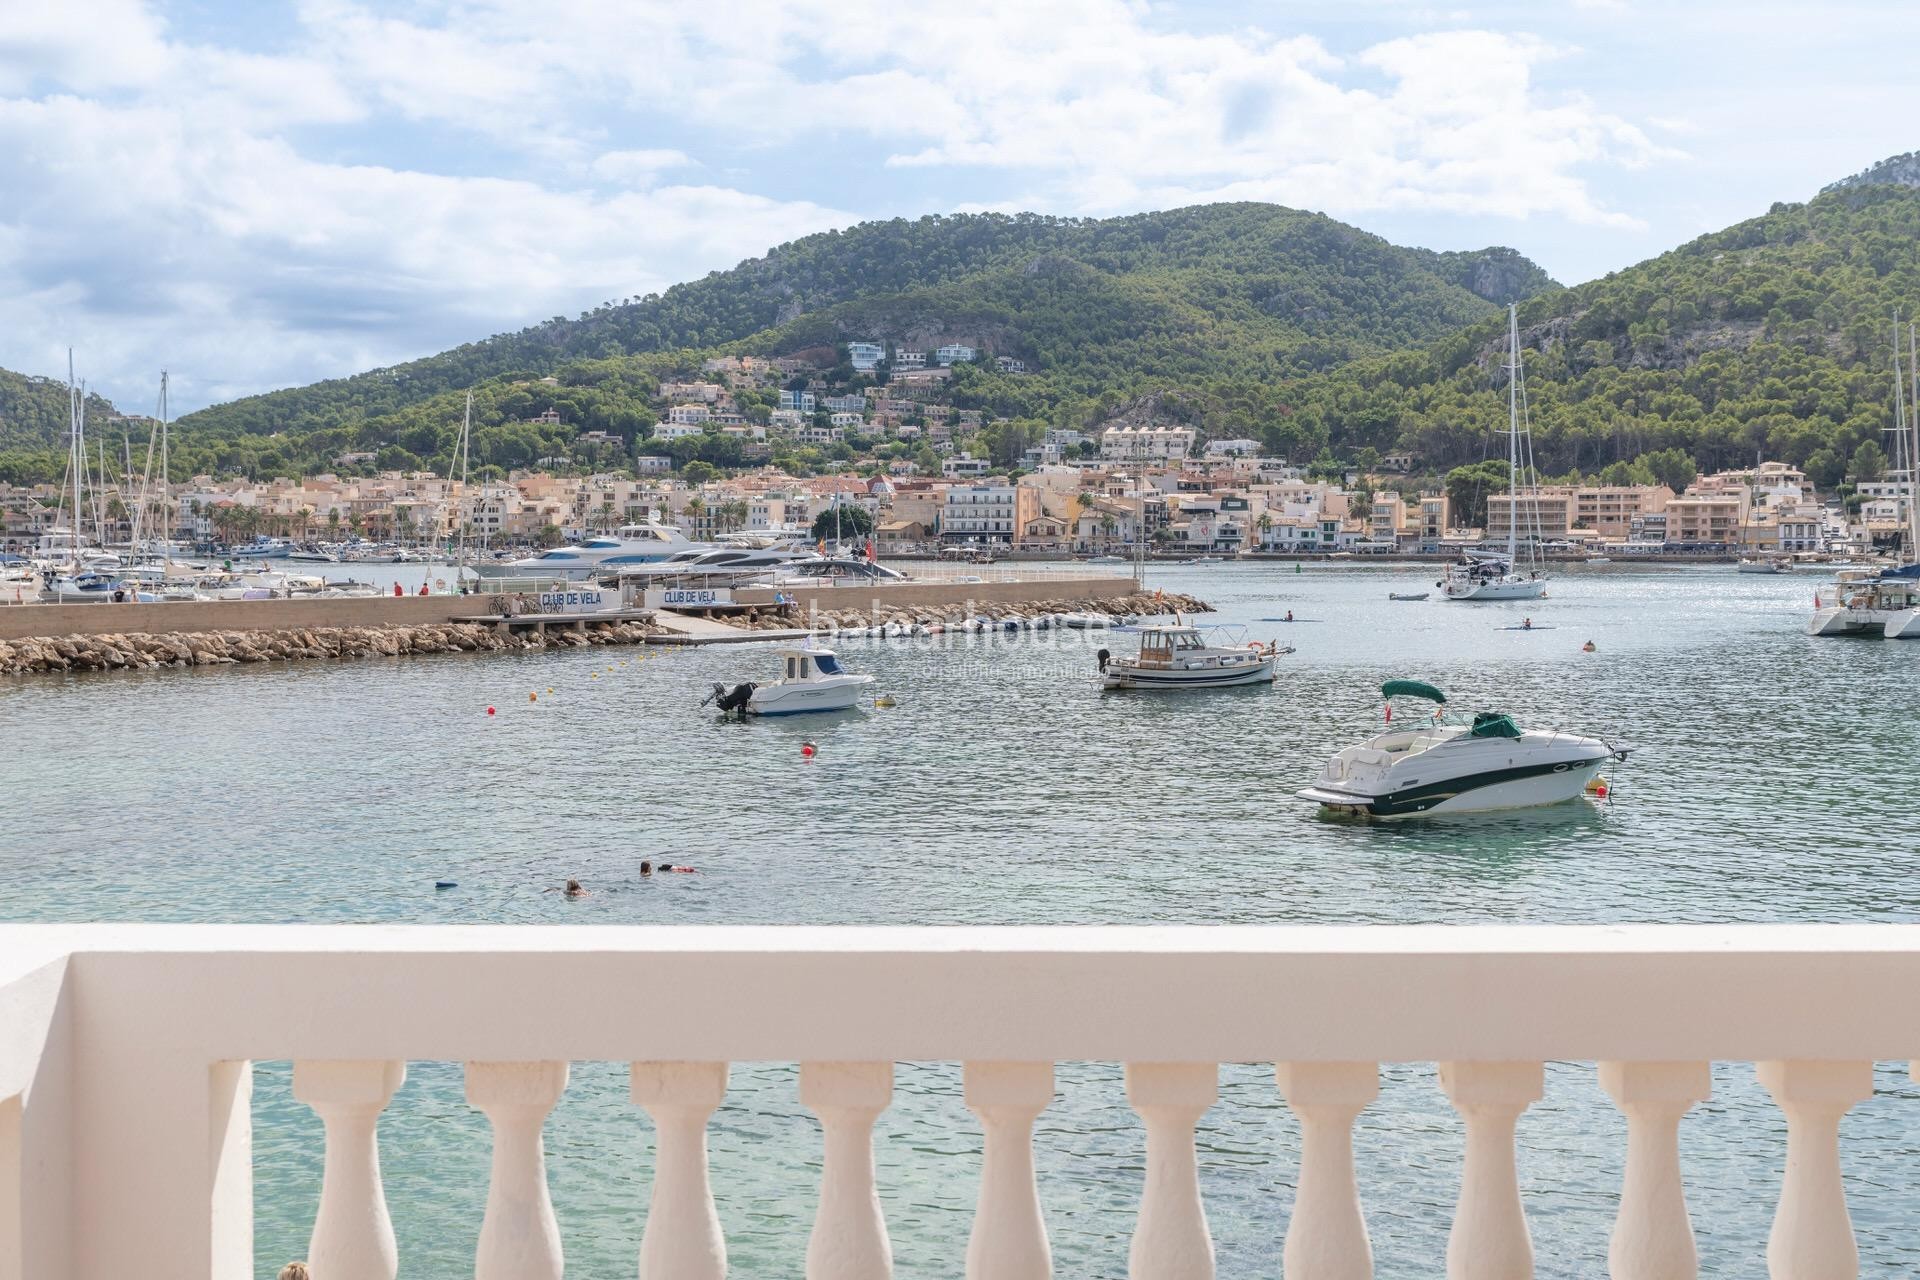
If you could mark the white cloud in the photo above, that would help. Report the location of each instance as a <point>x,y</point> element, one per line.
<point>223,210</point>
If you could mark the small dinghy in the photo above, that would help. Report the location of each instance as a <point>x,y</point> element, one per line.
<point>1408,595</point>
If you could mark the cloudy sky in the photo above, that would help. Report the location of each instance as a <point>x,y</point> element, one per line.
<point>259,193</point>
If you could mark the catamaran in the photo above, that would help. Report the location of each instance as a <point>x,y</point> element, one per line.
<point>1488,577</point>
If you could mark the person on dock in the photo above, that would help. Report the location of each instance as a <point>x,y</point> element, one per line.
<point>399,590</point>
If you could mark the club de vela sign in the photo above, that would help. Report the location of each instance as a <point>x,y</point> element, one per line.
<point>689,597</point>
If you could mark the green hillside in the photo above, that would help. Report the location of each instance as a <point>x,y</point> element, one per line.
<point>1243,294</point>
<point>1772,336</point>
<point>34,425</point>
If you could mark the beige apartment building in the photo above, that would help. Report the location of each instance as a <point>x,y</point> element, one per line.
<point>1609,509</point>
<point>1554,522</point>
<point>1695,517</point>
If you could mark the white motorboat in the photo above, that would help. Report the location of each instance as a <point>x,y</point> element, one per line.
<point>264,549</point>
<point>1599,559</point>
<point>1178,657</point>
<point>1434,766</point>
<point>1083,621</point>
<point>631,544</point>
<point>19,583</point>
<point>811,680</point>
<point>1866,602</point>
<point>84,587</point>
<point>1486,577</point>
<point>1765,564</point>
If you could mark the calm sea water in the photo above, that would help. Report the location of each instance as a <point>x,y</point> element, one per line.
<point>1770,783</point>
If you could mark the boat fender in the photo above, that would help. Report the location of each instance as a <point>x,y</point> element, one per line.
<point>1105,656</point>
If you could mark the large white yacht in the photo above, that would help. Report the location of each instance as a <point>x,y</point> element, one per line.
<point>1432,766</point>
<point>1492,577</point>
<point>630,544</point>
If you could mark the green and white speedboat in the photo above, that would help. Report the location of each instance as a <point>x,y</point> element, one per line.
<point>1434,766</point>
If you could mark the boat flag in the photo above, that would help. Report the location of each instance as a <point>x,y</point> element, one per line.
<point>870,555</point>
<point>821,546</point>
<point>1389,713</point>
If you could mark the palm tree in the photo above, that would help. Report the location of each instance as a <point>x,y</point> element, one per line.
<point>333,523</point>
<point>1266,523</point>
<point>1106,529</point>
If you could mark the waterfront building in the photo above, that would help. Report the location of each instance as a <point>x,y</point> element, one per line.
<point>1546,515</point>
<point>989,512</point>
<point>1705,521</point>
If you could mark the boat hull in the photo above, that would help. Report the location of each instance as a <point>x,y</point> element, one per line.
<point>1464,776</point>
<point>1121,676</point>
<point>1838,620</point>
<point>1521,589</point>
<point>1904,625</point>
<point>808,697</point>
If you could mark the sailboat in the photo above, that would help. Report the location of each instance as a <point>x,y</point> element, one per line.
<point>1491,577</point>
<point>1885,602</point>
<point>76,583</point>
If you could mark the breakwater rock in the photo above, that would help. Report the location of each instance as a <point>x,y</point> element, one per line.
<point>139,651</point>
<point>1141,604</point>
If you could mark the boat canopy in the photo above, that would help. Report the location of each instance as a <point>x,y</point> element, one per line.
<point>1494,724</point>
<point>1411,689</point>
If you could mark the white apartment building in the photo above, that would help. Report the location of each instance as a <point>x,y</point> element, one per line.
<point>987,512</point>
<point>909,360</point>
<point>954,353</point>
<point>704,392</point>
<point>1010,364</point>
<point>672,430</point>
<point>820,435</point>
<point>964,466</point>
<point>1232,448</point>
<point>800,400</point>
<point>1146,443</point>
<point>847,420</point>
<point>865,355</point>
<point>788,418</point>
<point>844,404</point>
<point>694,415</point>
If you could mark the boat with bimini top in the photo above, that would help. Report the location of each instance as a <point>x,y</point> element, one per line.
<point>1436,766</point>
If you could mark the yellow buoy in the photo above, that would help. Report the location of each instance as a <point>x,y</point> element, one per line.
<point>883,701</point>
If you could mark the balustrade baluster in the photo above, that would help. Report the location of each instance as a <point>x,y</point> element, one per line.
<point>1327,1237</point>
<point>1653,1236</point>
<point>1489,1239</point>
<point>1009,1240</point>
<point>1812,1237</point>
<point>352,1234</point>
<point>682,1240</point>
<point>1171,1240</point>
<point>519,1237</point>
<point>849,1240</point>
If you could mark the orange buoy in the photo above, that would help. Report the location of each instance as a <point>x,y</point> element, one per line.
<point>533,697</point>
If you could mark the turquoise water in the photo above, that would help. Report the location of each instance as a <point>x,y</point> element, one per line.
<point>1769,783</point>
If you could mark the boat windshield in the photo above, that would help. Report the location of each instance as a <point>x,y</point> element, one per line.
<point>826,664</point>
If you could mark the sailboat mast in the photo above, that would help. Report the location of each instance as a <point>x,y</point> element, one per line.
<point>1913,445</point>
<point>76,449</point>
<point>166,491</point>
<point>1513,436</point>
<point>1900,410</point>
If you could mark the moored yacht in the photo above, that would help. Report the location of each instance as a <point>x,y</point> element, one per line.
<point>1867,602</point>
<point>1434,766</point>
<point>631,544</point>
<point>811,680</point>
<point>1495,577</point>
<point>1178,657</point>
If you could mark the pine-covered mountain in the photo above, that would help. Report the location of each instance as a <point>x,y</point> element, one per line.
<point>1773,336</point>
<point>34,425</point>
<point>1241,290</point>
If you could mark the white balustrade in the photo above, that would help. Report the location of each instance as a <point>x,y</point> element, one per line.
<point>1171,1240</point>
<point>352,1234</point>
<point>682,1240</point>
<point>1009,1240</point>
<point>1327,1236</point>
<point>126,1051</point>
<point>1489,1240</point>
<point>1812,1237</point>
<point>849,1240</point>
<point>519,1237</point>
<point>1652,1234</point>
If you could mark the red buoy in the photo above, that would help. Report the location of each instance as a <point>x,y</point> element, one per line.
<point>489,710</point>
<point>806,750</point>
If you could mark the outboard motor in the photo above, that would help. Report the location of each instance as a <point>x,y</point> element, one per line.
<point>730,700</point>
<point>1104,655</point>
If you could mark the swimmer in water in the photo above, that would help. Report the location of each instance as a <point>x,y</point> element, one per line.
<point>646,868</point>
<point>685,871</point>
<point>1526,624</point>
<point>1289,615</point>
<point>572,889</point>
